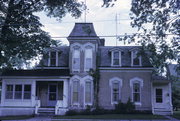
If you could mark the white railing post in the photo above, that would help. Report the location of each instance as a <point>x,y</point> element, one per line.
<point>37,106</point>
<point>59,104</point>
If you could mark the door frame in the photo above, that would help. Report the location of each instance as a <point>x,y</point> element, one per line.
<point>48,101</point>
<point>159,105</point>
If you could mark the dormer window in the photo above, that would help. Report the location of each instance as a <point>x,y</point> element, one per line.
<point>135,58</point>
<point>76,60</point>
<point>53,60</point>
<point>116,58</point>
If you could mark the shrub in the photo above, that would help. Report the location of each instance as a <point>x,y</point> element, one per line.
<point>122,108</point>
<point>71,113</point>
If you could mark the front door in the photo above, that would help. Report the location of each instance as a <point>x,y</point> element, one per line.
<point>52,94</point>
<point>159,97</point>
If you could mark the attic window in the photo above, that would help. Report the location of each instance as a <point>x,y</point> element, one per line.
<point>53,58</point>
<point>116,58</point>
<point>135,58</point>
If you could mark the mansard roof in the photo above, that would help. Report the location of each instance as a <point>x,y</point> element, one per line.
<point>37,72</point>
<point>83,30</point>
<point>105,56</point>
<point>63,60</point>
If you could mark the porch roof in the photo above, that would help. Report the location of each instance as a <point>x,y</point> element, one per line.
<point>37,72</point>
<point>160,79</point>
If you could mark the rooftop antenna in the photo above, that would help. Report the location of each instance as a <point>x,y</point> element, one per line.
<point>116,20</point>
<point>85,11</point>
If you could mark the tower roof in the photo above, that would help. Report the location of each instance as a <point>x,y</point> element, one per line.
<point>83,30</point>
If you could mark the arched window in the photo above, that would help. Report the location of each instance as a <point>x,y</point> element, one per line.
<point>136,85</point>
<point>76,60</point>
<point>88,58</point>
<point>75,91</point>
<point>75,50</point>
<point>88,92</point>
<point>115,85</point>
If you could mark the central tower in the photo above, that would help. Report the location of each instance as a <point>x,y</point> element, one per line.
<point>83,48</point>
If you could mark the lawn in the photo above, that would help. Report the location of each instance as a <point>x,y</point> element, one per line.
<point>15,117</point>
<point>176,114</point>
<point>112,116</point>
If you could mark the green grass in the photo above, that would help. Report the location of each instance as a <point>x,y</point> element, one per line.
<point>176,114</point>
<point>113,116</point>
<point>15,117</point>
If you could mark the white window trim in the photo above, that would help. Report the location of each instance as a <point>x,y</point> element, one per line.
<point>74,70</point>
<point>92,46</point>
<point>115,79</point>
<point>72,48</point>
<point>13,96</point>
<point>112,58</point>
<point>140,81</point>
<point>84,80</point>
<point>85,69</point>
<point>49,59</point>
<point>140,58</point>
<point>75,78</point>
<point>89,103</point>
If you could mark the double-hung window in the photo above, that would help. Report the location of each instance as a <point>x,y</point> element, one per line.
<point>136,92</point>
<point>27,91</point>
<point>76,60</point>
<point>18,91</point>
<point>52,58</point>
<point>115,92</point>
<point>136,59</point>
<point>9,91</point>
<point>88,59</point>
<point>116,58</point>
<point>115,86</point>
<point>88,92</point>
<point>75,98</point>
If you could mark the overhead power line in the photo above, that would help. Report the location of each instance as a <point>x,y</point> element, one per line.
<point>122,35</point>
<point>18,24</point>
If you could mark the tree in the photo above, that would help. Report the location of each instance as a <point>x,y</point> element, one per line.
<point>21,36</point>
<point>158,23</point>
<point>162,40</point>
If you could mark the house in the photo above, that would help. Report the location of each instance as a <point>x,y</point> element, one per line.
<point>62,80</point>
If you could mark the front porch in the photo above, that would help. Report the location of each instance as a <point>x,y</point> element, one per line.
<point>51,97</point>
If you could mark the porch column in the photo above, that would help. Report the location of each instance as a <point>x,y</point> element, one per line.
<point>33,91</point>
<point>65,93</point>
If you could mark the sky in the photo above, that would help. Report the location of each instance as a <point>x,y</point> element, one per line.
<point>103,19</point>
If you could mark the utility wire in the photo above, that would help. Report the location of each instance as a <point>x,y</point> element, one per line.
<point>58,23</point>
<point>120,35</point>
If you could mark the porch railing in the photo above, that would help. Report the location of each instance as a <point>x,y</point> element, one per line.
<point>59,104</point>
<point>37,105</point>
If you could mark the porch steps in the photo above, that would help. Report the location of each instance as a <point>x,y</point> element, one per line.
<point>46,111</point>
<point>162,111</point>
